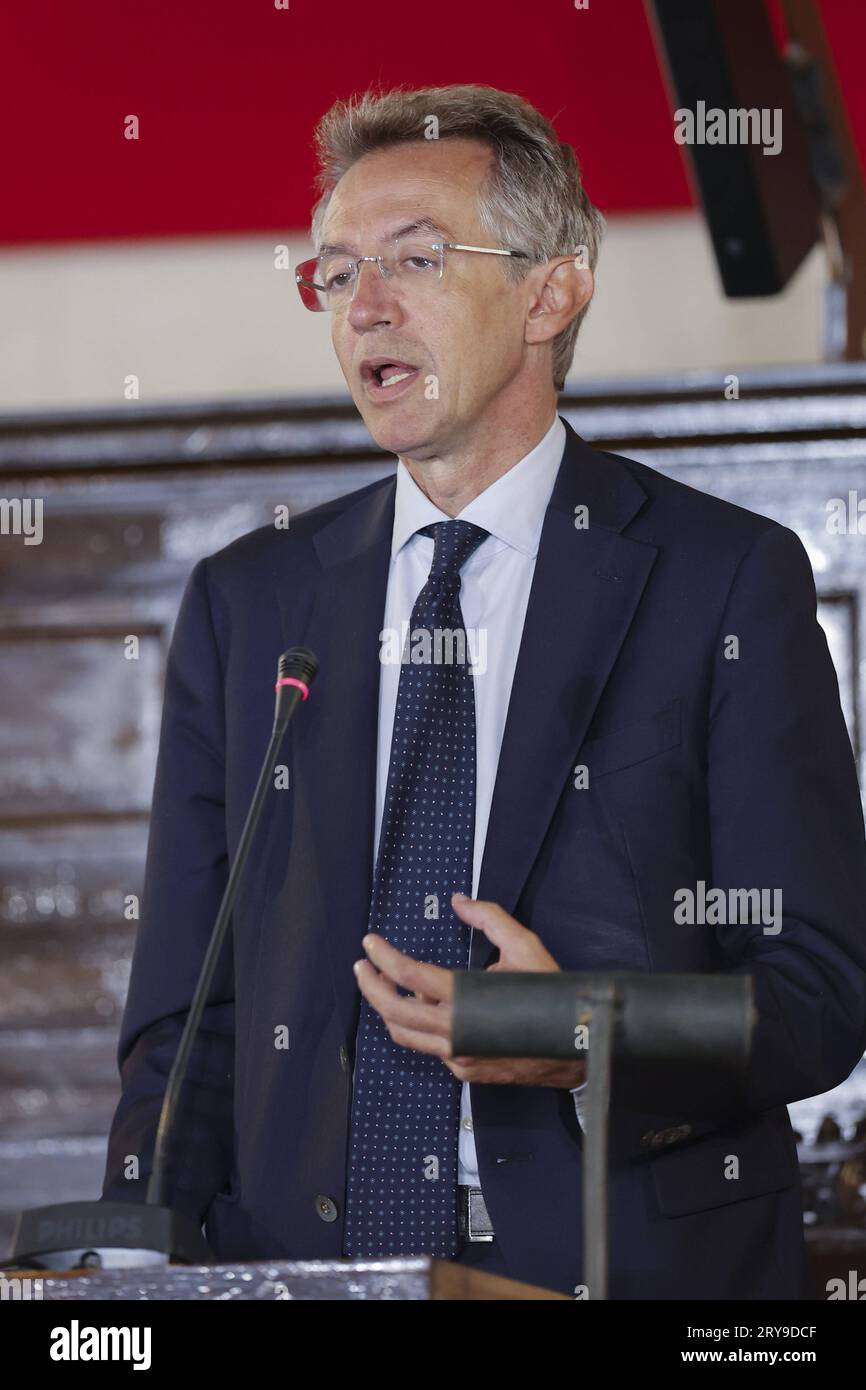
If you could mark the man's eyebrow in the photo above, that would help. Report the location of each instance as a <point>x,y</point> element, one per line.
<point>418,224</point>
<point>421,224</point>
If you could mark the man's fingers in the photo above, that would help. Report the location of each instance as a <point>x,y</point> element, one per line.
<point>498,926</point>
<point>399,1011</point>
<point>519,947</point>
<point>431,981</point>
<point>488,917</point>
<point>421,1042</point>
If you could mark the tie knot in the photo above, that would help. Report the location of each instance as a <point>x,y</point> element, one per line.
<point>453,542</point>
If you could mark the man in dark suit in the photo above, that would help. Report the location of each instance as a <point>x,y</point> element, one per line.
<point>641,715</point>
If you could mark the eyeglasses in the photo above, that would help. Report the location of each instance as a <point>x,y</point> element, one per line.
<point>330,282</point>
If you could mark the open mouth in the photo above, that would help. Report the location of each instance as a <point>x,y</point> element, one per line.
<point>388,378</point>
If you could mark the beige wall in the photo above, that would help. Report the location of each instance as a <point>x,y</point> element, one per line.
<point>210,319</point>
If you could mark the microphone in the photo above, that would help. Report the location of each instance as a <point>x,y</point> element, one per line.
<point>295,674</point>
<point>72,1235</point>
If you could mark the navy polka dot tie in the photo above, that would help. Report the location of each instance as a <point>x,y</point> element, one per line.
<point>401,1196</point>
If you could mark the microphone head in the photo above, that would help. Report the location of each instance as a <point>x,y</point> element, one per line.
<point>298,663</point>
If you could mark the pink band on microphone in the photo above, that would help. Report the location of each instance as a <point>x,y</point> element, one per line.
<point>290,680</point>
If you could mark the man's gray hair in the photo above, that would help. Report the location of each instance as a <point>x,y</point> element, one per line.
<point>531,200</point>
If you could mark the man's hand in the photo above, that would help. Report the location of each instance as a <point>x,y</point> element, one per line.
<point>423,1022</point>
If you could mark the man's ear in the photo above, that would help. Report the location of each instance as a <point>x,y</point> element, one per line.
<point>562,287</point>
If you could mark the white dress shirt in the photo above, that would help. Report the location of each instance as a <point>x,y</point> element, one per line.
<point>494,592</point>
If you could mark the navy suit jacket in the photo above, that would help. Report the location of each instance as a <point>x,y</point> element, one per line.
<point>735,772</point>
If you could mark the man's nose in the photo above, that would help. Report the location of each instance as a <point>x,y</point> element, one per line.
<point>374,300</point>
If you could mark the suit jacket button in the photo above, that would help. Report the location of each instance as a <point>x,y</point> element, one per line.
<point>326,1209</point>
<point>344,1059</point>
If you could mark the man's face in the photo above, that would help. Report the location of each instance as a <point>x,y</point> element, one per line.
<point>463,334</point>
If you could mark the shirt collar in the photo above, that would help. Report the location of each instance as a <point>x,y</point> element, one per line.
<point>511,509</point>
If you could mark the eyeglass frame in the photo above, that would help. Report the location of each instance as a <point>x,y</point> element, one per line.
<point>356,261</point>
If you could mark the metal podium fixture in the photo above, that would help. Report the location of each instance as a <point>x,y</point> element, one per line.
<point>675,1031</point>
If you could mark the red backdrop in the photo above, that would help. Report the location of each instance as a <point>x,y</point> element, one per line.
<point>227,93</point>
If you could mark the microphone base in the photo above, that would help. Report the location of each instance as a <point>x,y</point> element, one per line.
<point>106,1235</point>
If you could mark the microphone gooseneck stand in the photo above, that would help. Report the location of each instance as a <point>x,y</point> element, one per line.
<point>297,669</point>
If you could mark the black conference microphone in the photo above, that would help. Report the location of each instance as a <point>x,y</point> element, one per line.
<point>98,1234</point>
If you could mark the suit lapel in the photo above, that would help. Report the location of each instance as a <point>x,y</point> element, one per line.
<point>585,590</point>
<point>336,738</point>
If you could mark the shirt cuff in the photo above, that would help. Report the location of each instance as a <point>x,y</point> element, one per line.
<point>579,1103</point>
